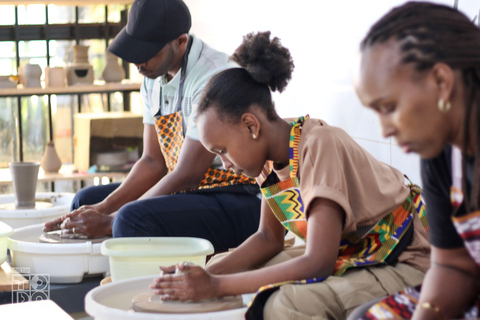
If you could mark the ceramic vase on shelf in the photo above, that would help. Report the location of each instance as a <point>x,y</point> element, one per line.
<point>32,73</point>
<point>80,71</point>
<point>113,71</point>
<point>50,161</point>
<point>54,77</point>
<point>6,82</point>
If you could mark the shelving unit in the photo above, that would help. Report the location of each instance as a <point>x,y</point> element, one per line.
<point>66,173</point>
<point>97,87</point>
<point>70,31</point>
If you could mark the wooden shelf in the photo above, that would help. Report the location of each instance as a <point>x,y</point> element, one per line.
<point>65,173</point>
<point>97,87</point>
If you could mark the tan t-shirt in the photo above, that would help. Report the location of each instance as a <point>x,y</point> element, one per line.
<point>333,166</point>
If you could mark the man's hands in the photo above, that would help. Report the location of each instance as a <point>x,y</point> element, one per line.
<point>86,220</point>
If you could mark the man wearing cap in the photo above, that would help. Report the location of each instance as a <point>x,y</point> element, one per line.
<point>177,187</point>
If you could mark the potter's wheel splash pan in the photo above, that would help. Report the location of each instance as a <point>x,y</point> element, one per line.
<point>113,301</point>
<point>64,262</point>
<point>16,218</point>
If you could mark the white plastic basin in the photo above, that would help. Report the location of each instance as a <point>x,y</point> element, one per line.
<point>113,301</point>
<point>64,262</point>
<point>5,232</point>
<point>18,218</point>
<point>134,257</point>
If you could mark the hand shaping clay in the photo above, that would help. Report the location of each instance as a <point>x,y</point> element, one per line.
<point>151,302</point>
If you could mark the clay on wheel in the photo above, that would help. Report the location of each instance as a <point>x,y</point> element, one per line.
<point>57,237</point>
<point>150,302</point>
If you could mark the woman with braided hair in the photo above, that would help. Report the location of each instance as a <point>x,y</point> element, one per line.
<point>420,72</point>
<point>364,237</point>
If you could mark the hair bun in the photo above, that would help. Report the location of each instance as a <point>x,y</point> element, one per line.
<point>267,61</point>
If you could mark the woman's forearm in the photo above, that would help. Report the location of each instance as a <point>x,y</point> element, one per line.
<point>257,249</point>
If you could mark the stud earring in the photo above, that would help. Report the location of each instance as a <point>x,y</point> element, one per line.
<point>444,106</point>
<point>448,105</point>
<point>254,136</point>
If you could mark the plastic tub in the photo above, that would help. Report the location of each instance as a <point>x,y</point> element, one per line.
<point>113,301</point>
<point>64,262</point>
<point>17,218</point>
<point>5,232</point>
<point>134,257</point>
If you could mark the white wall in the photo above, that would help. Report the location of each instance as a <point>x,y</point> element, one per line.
<point>323,38</point>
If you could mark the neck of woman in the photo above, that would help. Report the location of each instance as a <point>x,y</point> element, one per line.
<point>280,147</point>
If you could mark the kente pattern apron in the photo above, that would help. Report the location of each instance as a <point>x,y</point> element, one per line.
<point>367,246</point>
<point>467,226</point>
<point>170,135</point>
<point>402,305</point>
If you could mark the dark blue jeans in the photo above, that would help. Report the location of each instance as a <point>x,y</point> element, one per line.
<point>224,216</point>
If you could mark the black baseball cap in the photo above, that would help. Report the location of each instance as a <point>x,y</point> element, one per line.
<point>151,25</point>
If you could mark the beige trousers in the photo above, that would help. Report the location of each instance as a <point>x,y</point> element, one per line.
<point>336,297</point>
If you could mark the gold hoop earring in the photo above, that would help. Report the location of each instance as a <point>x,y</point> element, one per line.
<point>444,106</point>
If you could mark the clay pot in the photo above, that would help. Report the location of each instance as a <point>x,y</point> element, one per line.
<point>113,72</point>
<point>6,82</point>
<point>50,161</point>
<point>80,71</point>
<point>54,77</point>
<point>32,73</point>
<point>24,178</point>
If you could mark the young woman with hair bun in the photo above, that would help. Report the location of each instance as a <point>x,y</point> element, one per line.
<point>420,72</point>
<point>364,237</point>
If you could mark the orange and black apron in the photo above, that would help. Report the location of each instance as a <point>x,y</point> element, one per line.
<point>365,247</point>
<point>170,133</point>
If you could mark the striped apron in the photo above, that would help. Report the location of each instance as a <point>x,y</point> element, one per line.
<point>170,135</point>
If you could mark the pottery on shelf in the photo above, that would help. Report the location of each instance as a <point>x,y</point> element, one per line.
<point>32,73</point>
<point>6,82</point>
<point>54,77</point>
<point>113,72</point>
<point>80,71</point>
<point>50,161</point>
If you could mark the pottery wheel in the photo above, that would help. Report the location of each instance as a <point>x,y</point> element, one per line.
<point>151,302</point>
<point>56,237</point>
<point>38,206</point>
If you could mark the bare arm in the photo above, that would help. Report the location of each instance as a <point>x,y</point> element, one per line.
<point>324,233</point>
<point>147,171</point>
<point>451,284</point>
<point>192,164</point>
<point>95,220</point>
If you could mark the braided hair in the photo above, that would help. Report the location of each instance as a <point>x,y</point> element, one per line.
<point>430,33</point>
<point>265,66</point>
